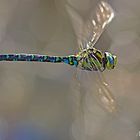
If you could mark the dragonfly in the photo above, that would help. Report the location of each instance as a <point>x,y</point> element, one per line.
<point>88,59</point>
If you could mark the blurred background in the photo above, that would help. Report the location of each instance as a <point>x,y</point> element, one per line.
<point>37,101</point>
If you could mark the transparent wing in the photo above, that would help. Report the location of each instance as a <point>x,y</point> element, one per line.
<point>102,90</point>
<point>97,22</point>
<point>78,25</point>
<point>94,86</point>
<point>89,31</point>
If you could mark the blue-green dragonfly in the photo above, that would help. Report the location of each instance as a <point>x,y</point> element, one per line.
<point>88,59</point>
<point>88,33</point>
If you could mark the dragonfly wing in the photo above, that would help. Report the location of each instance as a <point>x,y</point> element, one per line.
<point>104,93</point>
<point>78,24</point>
<point>89,31</point>
<point>95,87</point>
<point>97,22</point>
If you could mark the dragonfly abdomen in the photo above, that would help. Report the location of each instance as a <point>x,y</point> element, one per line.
<point>71,60</point>
<point>29,57</point>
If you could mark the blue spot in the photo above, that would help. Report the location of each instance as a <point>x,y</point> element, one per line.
<point>111,60</point>
<point>52,59</point>
<point>29,58</point>
<point>41,58</point>
<point>75,63</point>
<point>3,57</point>
<point>66,61</point>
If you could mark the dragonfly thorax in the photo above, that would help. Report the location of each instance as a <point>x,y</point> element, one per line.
<point>91,59</point>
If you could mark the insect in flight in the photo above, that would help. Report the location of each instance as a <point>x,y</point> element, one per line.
<point>88,58</point>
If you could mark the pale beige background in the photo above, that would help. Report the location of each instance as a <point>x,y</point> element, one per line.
<point>42,95</point>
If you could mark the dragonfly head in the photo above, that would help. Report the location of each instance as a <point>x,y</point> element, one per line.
<point>111,60</point>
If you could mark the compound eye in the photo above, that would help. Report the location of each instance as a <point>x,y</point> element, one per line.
<point>111,60</point>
